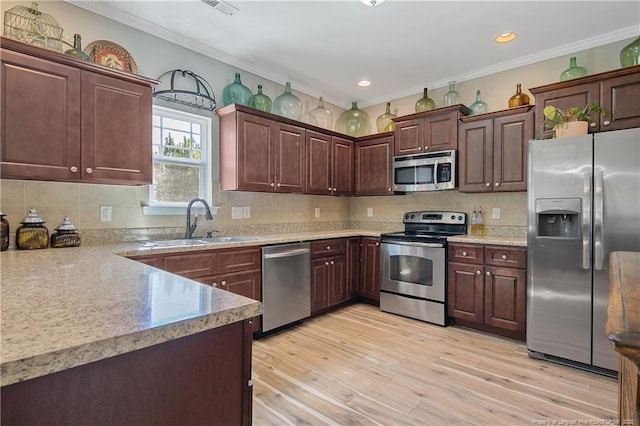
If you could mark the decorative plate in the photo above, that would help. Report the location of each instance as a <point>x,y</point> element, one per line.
<point>111,54</point>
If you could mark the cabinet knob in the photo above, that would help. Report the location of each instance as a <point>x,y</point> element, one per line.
<point>73,169</point>
<point>426,148</point>
<point>488,184</point>
<point>326,263</point>
<point>377,244</point>
<point>389,189</point>
<point>272,184</point>
<point>332,262</point>
<point>89,170</point>
<point>504,257</point>
<point>488,273</point>
<point>497,184</point>
<point>224,283</point>
<point>328,247</point>
<point>329,189</point>
<point>464,253</point>
<point>592,124</point>
<point>278,185</point>
<point>478,272</point>
<point>215,284</point>
<point>335,189</point>
<point>419,148</point>
<point>606,122</point>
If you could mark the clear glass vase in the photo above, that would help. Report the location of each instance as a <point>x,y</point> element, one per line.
<point>384,122</point>
<point>260,101</point>
<point>574,71</point>
<point>452,97</point>
<point>236,93</point>
<point>287,104</point>
<point>353,122</point>
<point>425,103</point>
<point>323,116</point>
<point>479,106</point>
<point>630,54</point>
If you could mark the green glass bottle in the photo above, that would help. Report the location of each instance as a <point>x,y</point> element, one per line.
<point>384,122</point>
<point>574,71</point>
<point>630,54</point>
<point>478,107</point>
<point>353,122</point>
<point>77,49</point>
<point>236,93</point>
<point>452,97</point>
<point>425,103</point>
<point>287,104</point>
<point>260,101</point>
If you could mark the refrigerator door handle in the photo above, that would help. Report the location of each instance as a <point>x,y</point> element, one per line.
<point>586,221</point>
<point>598,228</point>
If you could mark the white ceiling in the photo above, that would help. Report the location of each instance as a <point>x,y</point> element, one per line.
<point>325,47</point>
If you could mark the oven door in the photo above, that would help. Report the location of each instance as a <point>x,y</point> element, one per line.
<point>413,269</point>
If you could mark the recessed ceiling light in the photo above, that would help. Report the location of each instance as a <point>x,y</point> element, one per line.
<point>505,37</point>
<point>364,83</point>
<point>372,2</point>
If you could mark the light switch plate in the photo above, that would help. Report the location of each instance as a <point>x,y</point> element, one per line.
<point>369,212</point>
<point>105,213</point>
<point>236,212</point>
<point>246,212</point>
<point>495,213</point>
<point>317,212</point>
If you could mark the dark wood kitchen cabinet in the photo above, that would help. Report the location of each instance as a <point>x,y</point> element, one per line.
<point>65,119</point>
<point>353,266</point>
<point>370,272</point>
<point>616,91</point>
<point>330,164</point>
<point>328,274</point>
<point>487,288</point>
<point>423,132</point>
<point>260,154</point>
<point>373,157</point>
<point>492,151</point>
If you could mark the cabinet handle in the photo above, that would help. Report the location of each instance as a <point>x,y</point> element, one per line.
<point>215,284</point>
<point>272,184</point>
<point>504,257</point>
<point>73,169</point>
<point>326,263</point>
<point>488,273</point>
<point>488,184</point>
<point>592,124</point>
<point>606,122</point>
<point>89,170</point>
<point>464,253</point>
<point>497,184</point>
<point>478,272</point>
<point>224,283</point>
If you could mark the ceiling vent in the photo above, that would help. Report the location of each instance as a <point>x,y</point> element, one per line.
<point>222,6</point>
<point>185,88</point>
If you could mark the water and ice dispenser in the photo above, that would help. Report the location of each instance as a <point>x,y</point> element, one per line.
<point>558,217</point>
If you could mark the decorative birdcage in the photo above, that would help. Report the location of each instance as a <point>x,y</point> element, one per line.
<point>29,25</point>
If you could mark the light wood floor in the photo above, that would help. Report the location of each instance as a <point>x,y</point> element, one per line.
<point>358,365</point>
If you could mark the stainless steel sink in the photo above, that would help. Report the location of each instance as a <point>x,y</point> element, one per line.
<point>188,242</point>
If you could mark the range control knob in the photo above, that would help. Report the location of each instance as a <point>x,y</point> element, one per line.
<point>413,216</point>
<point>406,216</point>
<point>459,217</point>
<point>453,217</point>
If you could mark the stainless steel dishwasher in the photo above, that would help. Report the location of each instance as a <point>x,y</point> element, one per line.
<point>286,284</point>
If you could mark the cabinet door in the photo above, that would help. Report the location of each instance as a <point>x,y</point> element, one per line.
<point>319,284</point>
<point>475,162</point>
<point>319,163</point>
<point>116,130</point>
<point>40,108</point>
<point>505,299</point>
<point>510,137</point>
<point>255,155</point>
<point>353,266</point>
<point>373,167</point>
<point>370,273</point>
<point>337,280</point>
<point>466,292</point>
<point>620,97</point>
<point>409,137</point>
<point>239,259</point>
<point>441,132</point>
<point>290,158</point>
<point>192,265</point>
<point>342,166</point>
<point>579,95</point>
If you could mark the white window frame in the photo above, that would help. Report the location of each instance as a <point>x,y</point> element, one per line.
<point>206,143</point>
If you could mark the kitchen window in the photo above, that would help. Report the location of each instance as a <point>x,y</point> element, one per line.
<point>181,160</point>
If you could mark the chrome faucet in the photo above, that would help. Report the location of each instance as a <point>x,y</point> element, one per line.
<point>191,227</point>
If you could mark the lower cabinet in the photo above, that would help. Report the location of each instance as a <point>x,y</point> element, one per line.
<point>487,288</point>
<point>328,274</point>
<point>370,272</point>
<point>353,267</point>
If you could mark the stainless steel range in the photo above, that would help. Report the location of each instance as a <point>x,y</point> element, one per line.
<point>413,265</point>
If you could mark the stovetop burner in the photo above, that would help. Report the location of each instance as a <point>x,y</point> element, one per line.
<point>430,226</point>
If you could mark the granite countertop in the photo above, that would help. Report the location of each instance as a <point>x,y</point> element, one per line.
<point>67,307</point>
<point>491,240</point>
<point>623,310</point>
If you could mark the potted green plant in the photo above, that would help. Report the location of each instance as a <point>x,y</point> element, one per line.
<point>573,121</point>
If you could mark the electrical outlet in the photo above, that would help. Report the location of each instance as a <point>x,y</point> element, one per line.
<point>246,212</point>
<point>495,213</point>
<point>317,212</point>
<point>236,212</point>
<point>369,212</point>
<point>105,213</point>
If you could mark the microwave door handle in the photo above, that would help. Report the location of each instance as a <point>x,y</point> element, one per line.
<point>435,172</point>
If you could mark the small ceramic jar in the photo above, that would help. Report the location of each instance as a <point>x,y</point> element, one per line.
<point>32,234</point>
<point>4,232</point>
<point>66,235</point>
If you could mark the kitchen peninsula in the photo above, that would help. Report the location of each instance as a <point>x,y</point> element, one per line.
<point>90,337</point>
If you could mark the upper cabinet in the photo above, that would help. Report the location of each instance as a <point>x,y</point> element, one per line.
<point>374,175</point>
<point>428,131</point>
<point>330,164</point>
<point>493,151</point>
<point>64,119</point>
<point>616,91</point>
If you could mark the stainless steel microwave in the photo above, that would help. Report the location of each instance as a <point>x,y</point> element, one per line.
<point>425,172</point>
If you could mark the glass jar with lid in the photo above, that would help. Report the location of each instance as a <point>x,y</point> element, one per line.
<point>66,235</point>
<point>32,234</point>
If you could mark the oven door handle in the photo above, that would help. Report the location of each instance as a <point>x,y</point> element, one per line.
<point>413,243</point>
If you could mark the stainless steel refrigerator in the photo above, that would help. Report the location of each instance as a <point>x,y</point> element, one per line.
<point>583,203</point>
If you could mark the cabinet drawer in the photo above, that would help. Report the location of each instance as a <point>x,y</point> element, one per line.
<point>323,248</point>
<point>151,260</point>
<point>236,260</point>
<point>509,257</point>
<point>466,253</point>
<point>192,265</point>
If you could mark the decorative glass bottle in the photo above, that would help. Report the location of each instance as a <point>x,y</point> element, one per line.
<point>574,71</point>
<point>32,234</point>
<point>66,235</point>
<point>451,97</point>
<point>425,103</point>
<point>77,49</point>
<point>260,101</point>
<point>4,232</point>
<point>287,104</point>
<point>236,93</point>
<point>630,54</point>
<point>384,122</point>
<point>308,118</point>
<point>353,122</point>
<point>479,106</point>
<point>323,116</point>
<point>519,98</point>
